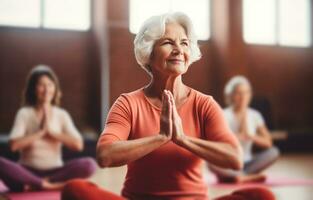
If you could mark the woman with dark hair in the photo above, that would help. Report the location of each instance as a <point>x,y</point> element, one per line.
<point>40,129</point>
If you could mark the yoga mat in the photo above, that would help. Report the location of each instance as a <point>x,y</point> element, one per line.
<point>3,188</point>
<point>42,195</point>
<point>270,181</point>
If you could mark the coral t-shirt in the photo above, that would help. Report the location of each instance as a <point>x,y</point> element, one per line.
<point>169,172</point>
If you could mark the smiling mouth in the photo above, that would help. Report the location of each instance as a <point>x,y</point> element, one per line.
<point>175,61</point>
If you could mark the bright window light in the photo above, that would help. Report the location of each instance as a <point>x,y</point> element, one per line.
<point>259,21</point>
<point>294,26</point>
<point>20,13</point>
<point>57,14</point>
<point>67,14</point>
<point>282,22</point>
<point>199,12</point>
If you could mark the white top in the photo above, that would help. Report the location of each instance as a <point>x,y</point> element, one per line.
<point>254,121</point>
<point>44,153</point>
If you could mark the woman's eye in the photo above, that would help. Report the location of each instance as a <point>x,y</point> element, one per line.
<point>165,43</point>
<point>185,43</point>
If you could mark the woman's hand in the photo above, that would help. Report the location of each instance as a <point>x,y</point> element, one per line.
<point>243,128</point>
<point>166,122</point>
<point>46,125</point>
<point>244,137</point>
<point>178,132</point>
<point>218,153</point>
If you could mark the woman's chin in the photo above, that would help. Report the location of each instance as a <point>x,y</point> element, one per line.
<point>177,70</point>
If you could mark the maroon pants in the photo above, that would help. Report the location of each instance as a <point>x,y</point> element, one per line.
<point>83,190</point>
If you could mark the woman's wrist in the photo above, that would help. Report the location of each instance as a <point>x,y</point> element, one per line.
<point>40,133</point>
<point>180,140</point>
<point>163,138</point>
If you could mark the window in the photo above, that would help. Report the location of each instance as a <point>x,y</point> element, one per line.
<point>56,14</point>
<point>20,13</point>
<point>199,12</point>
<point>282,22</point>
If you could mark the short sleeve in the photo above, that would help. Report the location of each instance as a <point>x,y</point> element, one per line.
<point>216,127</point>
<point>118,122</point>
<point>259,120</point>
<point>68,125</point>
<point>19,127</point>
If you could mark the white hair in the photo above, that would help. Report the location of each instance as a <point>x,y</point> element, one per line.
<point>232,84</point>
<point>154,28</point>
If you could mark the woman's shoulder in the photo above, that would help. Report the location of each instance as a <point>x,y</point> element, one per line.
<point>205,102</point>
<point>133,94</point>
<point>25,110</point>
<point>60,112</point>
<point>228,111</point>
<point>131,97</point>
<point>253,111</point>
<point>201,97</point>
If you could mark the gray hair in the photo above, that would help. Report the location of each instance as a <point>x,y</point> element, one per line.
<point>232,84</point>
<point>154,28</point>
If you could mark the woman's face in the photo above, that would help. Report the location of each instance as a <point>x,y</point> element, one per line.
<point>171,53</point>
<point>241,96</point>
<point>45,90</point>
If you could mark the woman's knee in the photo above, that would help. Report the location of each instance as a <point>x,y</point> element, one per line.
<point>3,161</point>
<point>80,189</point>
<point>88,166</point>
<point>75,189</point>
<point>274,152</point>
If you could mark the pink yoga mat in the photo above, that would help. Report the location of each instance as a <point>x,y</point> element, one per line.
<point>3,188</point>
<point>43,195</point>
<point>270,181</point>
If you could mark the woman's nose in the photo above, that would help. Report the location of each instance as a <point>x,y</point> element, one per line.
<point>178,50</point>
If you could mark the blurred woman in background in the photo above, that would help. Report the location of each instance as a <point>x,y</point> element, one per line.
<point>40,129</point>
<point>249,127</point>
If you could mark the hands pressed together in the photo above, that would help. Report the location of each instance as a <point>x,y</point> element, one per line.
<point>243,134</point>
<point>45,126</point>
<point>171,126</point>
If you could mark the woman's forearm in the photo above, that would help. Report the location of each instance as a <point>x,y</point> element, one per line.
<point>73,143</point>
<point>220,154</point>
<point>122,152</point>
<point>261,141</point>
<point>21,143</point>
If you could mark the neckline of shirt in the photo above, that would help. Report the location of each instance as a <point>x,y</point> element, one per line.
<point>158,108</point>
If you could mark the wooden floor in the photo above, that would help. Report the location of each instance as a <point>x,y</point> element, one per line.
<point>290,165</point>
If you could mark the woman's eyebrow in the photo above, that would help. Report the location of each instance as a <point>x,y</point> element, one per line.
<point>163,39</point>
<point>183,39</point>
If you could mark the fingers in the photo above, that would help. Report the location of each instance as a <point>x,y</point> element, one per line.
<point>170,105</point>
<point>167,105</point>
<point>43,121</point>
<point>166,115</point>
<point>174,109</point>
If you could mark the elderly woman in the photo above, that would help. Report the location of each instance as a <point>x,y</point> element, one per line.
<point>249,127</point>
<point>40,129</point>
<point>165,130</point>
